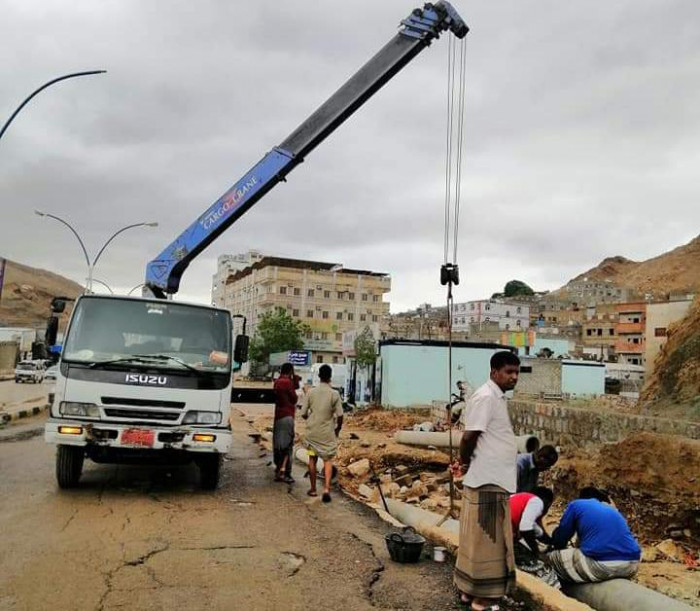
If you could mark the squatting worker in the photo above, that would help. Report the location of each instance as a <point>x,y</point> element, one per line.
<point>485,568</point>
<point>532,464</point>
<point>323,411</point>
<point>283,429</point>
<point>606,548</point>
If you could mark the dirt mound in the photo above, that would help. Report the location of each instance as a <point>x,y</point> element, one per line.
<point>28,292</point>
<point>378,419</point>
<point>676,375</point>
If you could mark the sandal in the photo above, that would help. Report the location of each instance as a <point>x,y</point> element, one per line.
<point>312,493</point>
<point>326,498</point>
<point>491,607</point>
<point>288,479</point>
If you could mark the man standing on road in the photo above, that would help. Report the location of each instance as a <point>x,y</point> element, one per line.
<point>485,568</point>
<point>532,464</point>
<point>283,430</point>
<point>323,411</point>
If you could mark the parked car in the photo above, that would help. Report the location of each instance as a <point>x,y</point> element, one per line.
<point>50,375</point>
<point>29,371</point>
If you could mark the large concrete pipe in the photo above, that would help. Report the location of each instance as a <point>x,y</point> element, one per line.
<point>302,455</point>
<point>623,595</point>
<point>526,443</point>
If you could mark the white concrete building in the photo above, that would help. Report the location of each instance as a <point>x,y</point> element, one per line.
<point>509,316</point>
<point>227,265</point>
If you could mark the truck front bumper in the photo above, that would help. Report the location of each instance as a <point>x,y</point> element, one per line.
<point>105,434</point>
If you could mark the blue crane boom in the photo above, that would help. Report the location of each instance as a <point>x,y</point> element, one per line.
<point>416,32</point>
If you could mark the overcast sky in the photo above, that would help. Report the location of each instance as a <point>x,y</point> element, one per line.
<point>582,126</point>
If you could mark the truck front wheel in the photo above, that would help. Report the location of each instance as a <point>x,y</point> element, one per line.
<point>209,471</point>
<point>69,465</point>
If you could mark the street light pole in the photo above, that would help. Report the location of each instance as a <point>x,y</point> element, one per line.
<point>44,86</point>
<point>91,264</point>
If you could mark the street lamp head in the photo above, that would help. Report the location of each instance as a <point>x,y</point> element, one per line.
<point>39,213</point>
<point>151,224</point>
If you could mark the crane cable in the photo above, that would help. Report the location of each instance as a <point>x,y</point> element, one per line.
<point>449,273</point>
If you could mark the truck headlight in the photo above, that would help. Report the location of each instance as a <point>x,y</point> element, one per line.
<point>86,410</point>
<point>202,418</point>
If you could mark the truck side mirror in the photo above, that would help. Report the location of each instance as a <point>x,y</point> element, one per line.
<point>240,349</point>
<point>58,305</point>
<point>51,330</point>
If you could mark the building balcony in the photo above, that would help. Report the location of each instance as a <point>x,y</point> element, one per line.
<point>625,347</point>
<point>625,328</point>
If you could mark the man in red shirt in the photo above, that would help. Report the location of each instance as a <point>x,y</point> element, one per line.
<point>283,430</point>
<point>526,512</point>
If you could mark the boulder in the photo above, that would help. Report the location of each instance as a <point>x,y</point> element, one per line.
<point>359,467</point>
<point>671,550</point>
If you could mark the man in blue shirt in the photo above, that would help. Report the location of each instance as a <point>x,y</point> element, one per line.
<point>531,465</point>
<point>606,547</point>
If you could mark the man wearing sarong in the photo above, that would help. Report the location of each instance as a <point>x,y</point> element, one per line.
<point>283,429</point>
<point>323,411</point>
<point>485,568</point>
<point>606,547</point>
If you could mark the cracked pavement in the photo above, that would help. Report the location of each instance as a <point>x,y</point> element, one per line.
<point>134,537</point>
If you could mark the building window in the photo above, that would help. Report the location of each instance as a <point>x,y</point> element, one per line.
<point>471,306</point>
<point>351,296</point>
<point>310,293</point>
<point>517,323</point>
<point>471,319</point>
<point>338,337</point>
<point>635,320</point>
<point>319,358</point>
<point>309,313</point>
<point>283,290</point>
<point>297,291</point>
<point>324,335</point>
<point>363,317</point>
<point>295,313</point>
<point>339,316</point>
<point>660,332</point>
<point>526,369</point>
<point>486,319</point>
<point>375,318</point>
<point>507,313</point>
<point>375,298</point>
<point>600,332</point>
<point>487,307</point>
<point>351,316</point>
<point>611,331</point>
<point>309,335</point>
<point>518,310</point>
<point>507,327</point>
<point>335,359</point>
<point>327,294</point>
<point>364,296</point>
<point>635,340</point>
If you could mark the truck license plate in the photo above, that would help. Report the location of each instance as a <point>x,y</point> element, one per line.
<point>138,437</point>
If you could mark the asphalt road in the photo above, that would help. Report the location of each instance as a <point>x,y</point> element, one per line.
<point>147,538</point>
<point>12,393</point>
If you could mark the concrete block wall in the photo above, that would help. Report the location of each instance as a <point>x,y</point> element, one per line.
<point>540,376</point>
<point>8,356</point>
<point>565,425</point>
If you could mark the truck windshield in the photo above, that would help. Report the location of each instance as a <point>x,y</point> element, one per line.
<point>177,336</point>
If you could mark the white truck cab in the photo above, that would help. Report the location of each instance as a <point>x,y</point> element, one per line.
<point>29,371</point>
<point>142,380</point>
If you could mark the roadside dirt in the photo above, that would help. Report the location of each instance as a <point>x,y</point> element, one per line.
<point>653,479</point>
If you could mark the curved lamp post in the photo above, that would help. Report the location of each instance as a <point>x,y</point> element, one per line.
<point>138,286</point>
<point>44,86</point>
<point>91,265</point>
<point>109,288</point>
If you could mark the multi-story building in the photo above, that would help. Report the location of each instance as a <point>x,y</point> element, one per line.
<point>630,330</point>
<point>586,290</point>
<point>328,298</point>
<point>659,317</point>
<point>599,331</point>
<point>509,316</point>
<point>227,265</point>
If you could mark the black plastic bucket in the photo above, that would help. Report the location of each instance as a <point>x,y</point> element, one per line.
<point>405,547</point>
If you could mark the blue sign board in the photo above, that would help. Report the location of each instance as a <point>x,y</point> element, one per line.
<point>300,358</point>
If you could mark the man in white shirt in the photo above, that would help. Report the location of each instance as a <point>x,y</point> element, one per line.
<point>485,568</point>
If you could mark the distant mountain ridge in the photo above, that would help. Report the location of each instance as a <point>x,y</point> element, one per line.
<point>27,294</point>
<point>676,270</point>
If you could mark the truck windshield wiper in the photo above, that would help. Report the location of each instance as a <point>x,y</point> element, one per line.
<point>125,359</point>
<point>167,357</point>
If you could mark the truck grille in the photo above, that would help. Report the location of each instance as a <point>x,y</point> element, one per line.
<point>142,402</point>
<point>137,414</point>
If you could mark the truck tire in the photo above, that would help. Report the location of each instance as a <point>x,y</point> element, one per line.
<point>209,471</point>
<point>69,465</point>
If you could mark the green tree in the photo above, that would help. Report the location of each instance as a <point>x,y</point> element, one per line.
<point>276,332</point>
<point>365,348</point>
<point>515,288</point>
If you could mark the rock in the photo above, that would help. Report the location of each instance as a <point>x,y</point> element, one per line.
<point>381,445</point>
<point>677,535</point>
<point>671,550</point>
<point>426,427</point>
<point>432,486</point>
<point>354,436</point>
<point>650,554</point>
<point>404,480</point>
<point>419,489</point>
<point>424,477</point>
<point>687,533</point>
<point>392,490</point>
<point>431,448</point>
<point>385,478</point>
<point>401,469</point>
<point>443,478</point>
<point>444,502</point>
<point>429,504</point>
<point>365,444</point>
<point>365,491</point>
<point>414,500</point>
<point>359,467</point>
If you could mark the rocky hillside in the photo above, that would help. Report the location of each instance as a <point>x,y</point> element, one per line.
<point>676,375</point>
<point>677,270</point>
<point>28,292</point>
